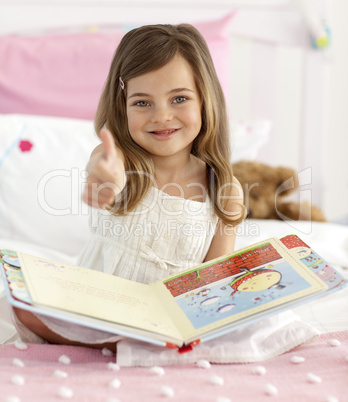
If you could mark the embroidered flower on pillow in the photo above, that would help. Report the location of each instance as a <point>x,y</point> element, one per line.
<point>25,145</point>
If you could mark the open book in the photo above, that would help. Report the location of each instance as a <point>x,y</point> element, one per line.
<point>193,306</point>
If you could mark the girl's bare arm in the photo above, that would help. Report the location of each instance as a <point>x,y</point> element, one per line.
<point>225,235</point>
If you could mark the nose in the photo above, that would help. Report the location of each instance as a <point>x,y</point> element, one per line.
<point>161,114</point>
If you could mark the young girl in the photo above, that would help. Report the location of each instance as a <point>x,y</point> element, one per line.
<point>161,180</point>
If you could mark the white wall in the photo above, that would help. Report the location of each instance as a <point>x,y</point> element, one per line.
<point>326,151</point>
<point>336,132</point>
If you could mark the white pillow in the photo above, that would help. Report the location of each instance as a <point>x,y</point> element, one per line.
<point>42,174</point>
<point>247,138</point>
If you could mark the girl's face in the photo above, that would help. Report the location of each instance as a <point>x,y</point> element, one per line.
<point>164,109</point>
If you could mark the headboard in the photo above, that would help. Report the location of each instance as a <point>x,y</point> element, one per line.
<point>266,61</point>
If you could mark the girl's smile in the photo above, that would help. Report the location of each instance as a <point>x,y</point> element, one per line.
<point>164,134</point>
<point>164,109</point>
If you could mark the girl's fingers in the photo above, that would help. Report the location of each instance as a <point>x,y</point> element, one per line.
<point>100,195</point>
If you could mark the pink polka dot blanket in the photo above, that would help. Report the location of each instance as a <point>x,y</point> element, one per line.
<point>314,371</point>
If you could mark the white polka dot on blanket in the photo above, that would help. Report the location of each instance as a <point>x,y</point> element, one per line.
<point>18,379</point>
<point>18,362</point>
<point>167,391</point>
<point>113,366</point>
<point>331,398</point>
<point>12,398</point>
<point>297,359</point>
<point>65,392</point>
<point>115,383</point>
<point>313,378</point>
<point>260,370</point>
<point>333,342</point>
<point>21,345</point>
<point>157,370</point>
<point>112,400</point>
<point>203,364</point>
<point>216,380</point>
<point>271,390</point>
<point>107,352</point>
<point>64,359</point>
<point>60,374</point>
<point>223,399</point>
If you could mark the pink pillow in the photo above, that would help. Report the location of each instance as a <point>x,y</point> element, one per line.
<point>217,37</point>
<point>63,75</point>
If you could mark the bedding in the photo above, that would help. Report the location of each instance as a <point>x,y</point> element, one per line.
<point>312,372</point>
<point>44,204</point>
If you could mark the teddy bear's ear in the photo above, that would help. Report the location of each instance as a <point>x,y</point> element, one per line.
<point>287,180</point>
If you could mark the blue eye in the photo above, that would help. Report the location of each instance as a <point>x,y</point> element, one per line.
<point>180,99</point>
<point>142,103</point>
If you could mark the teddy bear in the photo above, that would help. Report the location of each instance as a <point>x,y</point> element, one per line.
<point>266,189</point>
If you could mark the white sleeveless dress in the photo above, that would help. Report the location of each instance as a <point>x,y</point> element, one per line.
<point>162,236</point>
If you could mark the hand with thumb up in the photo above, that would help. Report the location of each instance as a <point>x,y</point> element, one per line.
<point>106,173</point>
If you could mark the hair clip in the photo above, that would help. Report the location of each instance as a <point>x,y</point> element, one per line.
<point>121,82</point>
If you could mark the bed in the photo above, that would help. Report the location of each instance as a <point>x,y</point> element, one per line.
<point>46,112</point>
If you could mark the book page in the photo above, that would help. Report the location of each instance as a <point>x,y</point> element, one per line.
<point>314,262</point>
<point>229,289</point>
<point>95,294</point>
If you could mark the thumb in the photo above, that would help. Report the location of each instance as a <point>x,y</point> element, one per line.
<point>108,143</point>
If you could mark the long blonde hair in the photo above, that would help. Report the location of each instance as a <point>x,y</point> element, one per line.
<point>148,48</point>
